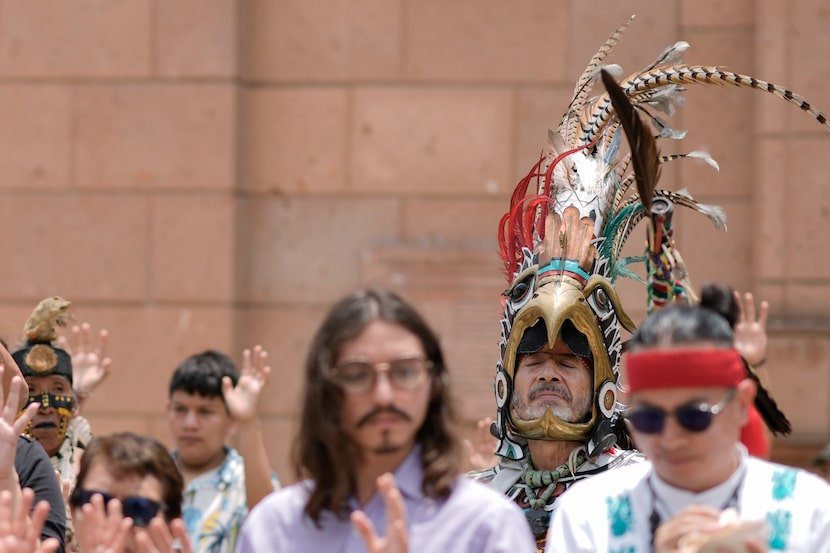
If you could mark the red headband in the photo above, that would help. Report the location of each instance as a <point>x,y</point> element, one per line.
<point>684,368</point>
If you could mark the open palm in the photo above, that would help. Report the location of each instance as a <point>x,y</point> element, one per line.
<point>90,365</point>
<point>12,425</point>
<point>242,399</point>
<point>751,333</point>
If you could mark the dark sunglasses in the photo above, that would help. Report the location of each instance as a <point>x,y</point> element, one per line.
<point>694,417</point>
<point>141,509</point>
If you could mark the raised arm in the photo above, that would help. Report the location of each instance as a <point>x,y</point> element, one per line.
<point>11,426</point>
<point>242,401</point>
<point>751,332</point>
<point>482,454</point>
<point>20,532</point>
<point>90,364</point>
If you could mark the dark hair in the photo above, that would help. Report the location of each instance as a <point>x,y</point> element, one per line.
<point>322,451</point>
<point>685,324</point>
<point>202,374</point>
<point>721,299</point>
<point>127,454</point>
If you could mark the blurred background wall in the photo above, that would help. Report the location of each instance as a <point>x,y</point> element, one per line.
<point>215,173</point>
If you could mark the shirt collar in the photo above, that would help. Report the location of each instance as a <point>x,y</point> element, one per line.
<point>222,476</point>
<point>228,469</point>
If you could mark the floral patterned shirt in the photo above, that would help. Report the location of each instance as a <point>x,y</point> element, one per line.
<point>215,504</point>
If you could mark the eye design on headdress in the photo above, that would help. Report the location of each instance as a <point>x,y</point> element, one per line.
<point>522,289</point>
<point>600,302</point>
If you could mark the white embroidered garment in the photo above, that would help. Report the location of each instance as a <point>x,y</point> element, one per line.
<point>612,511</point>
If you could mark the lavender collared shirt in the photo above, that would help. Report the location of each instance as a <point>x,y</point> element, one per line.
<point>472,519</point>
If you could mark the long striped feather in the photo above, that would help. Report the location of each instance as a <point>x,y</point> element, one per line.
<point>642,83</point>
<point>585,82</point>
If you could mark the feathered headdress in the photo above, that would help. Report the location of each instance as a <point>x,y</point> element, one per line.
<point>562,238</point>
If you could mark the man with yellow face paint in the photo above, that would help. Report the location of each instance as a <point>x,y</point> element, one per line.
<point>48,373</point>
<point>28,466</point>
<point>49,376</point>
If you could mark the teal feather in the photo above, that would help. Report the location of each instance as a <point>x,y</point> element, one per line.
<point>621,268</point>
<point>612,226</point>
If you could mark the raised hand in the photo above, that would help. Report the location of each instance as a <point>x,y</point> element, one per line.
<point>159,538</point>
<point>102,528</point>
<point>242,399</point>
<point>11,426</point>
<point>751,334</point>
<point>18,532</point>
<point>481,453</point>
<point>397,539</point>
<point>90,365</point>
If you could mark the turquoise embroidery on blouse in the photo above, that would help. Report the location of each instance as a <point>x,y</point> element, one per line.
<point>620,517</point>
<point>783,484</point>
<point>780,526</point>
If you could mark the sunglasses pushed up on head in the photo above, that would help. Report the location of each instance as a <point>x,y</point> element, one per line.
<point>694,417</point>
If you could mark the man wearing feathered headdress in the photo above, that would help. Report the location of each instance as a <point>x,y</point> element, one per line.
<point>557,381</point>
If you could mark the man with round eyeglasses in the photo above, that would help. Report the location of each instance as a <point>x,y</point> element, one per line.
<point>699,490</point>
<point>406,373</point>
<point>377,447</point>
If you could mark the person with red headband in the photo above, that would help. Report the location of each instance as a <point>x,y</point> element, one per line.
<point>699,490</point>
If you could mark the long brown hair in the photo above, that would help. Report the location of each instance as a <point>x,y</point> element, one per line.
<point>322,451</point>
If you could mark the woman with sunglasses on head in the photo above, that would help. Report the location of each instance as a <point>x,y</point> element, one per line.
<point>689,396</point>
<point>128,497</point>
